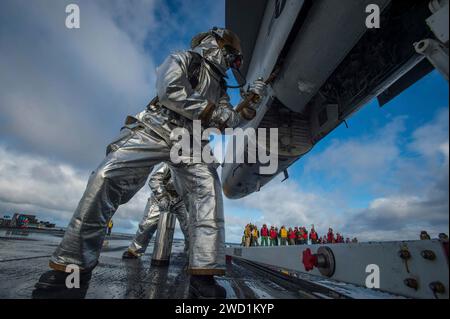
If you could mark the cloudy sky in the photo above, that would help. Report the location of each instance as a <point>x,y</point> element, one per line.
<point>65,93</point>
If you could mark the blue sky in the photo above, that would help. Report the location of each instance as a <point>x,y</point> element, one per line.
<point>65,93</point>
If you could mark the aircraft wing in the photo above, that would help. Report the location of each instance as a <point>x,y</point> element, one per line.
<point>330,65</point>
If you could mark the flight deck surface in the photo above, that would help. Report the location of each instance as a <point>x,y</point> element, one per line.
<point>24,256</point>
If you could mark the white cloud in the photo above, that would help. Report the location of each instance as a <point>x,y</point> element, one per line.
<point>432,138</point>
<point>67,92</point>
<point>282,204</point>
<point>136,17</point>
<point>52,190</point>
<point>409,191</point>
<point>38,181</point>
<point>417,204</point>
<point>359,160</point>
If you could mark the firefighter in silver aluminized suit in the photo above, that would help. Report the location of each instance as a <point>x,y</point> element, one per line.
<point>190,85</point>
<point>164,198</point>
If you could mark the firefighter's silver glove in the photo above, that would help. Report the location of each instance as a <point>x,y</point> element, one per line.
<point>224,116</point>
<point>259,88</point>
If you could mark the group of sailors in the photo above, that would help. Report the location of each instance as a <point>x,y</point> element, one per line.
<point>289,236</point>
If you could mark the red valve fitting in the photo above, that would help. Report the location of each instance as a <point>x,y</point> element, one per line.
<point>323,260</point>
<point>309,260</point>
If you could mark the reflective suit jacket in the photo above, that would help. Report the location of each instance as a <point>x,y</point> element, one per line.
<point>174,85</point>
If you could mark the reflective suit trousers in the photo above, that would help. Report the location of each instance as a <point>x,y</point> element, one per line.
<point>119,177</point>
<point>149,224</point>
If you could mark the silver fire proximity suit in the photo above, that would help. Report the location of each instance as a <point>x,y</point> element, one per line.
<point>164,198</point>
<point>184,94</point>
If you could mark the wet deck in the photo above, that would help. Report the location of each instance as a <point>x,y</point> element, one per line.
<point>24,257</point>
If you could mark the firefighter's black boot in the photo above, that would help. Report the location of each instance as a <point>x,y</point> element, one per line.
<point>129,255</point>
<point>205,287</point>
<point>56,280</point>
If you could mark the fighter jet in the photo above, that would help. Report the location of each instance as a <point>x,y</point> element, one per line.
<point>326,59</point>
